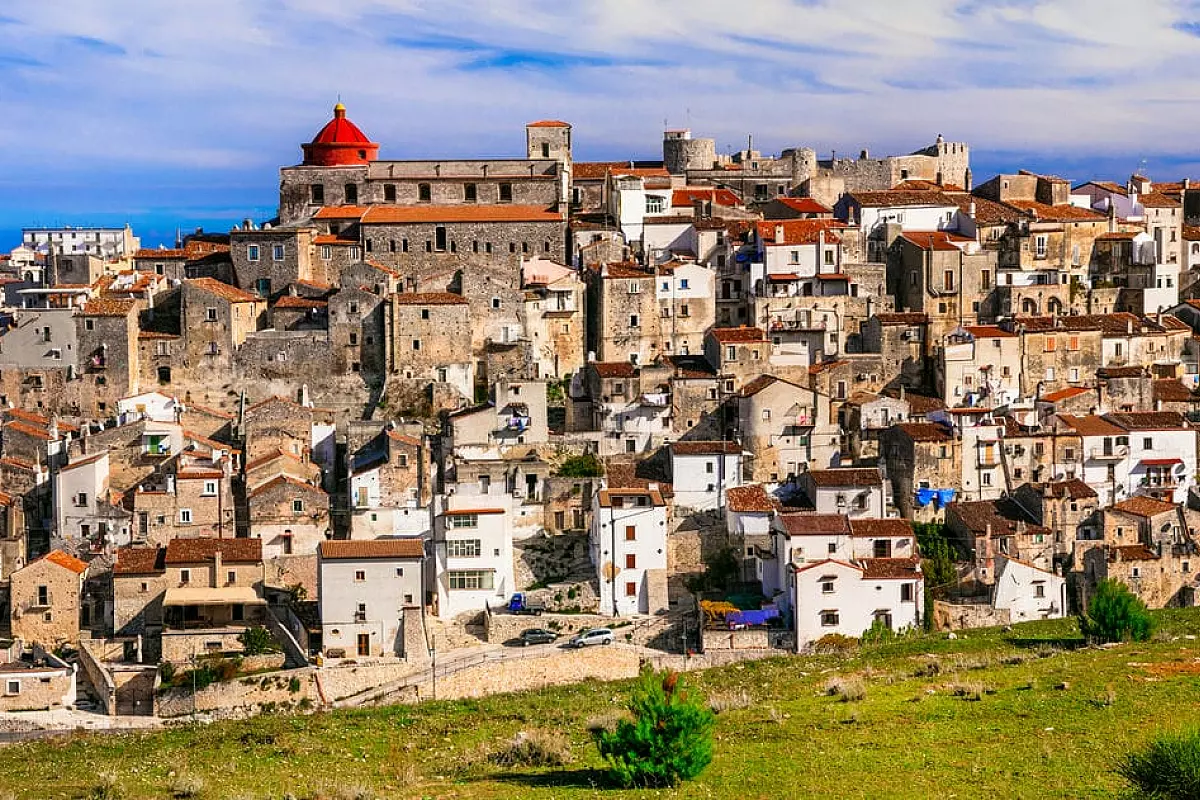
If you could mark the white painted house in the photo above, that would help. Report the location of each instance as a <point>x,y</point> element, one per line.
<point>364,590</point>
<point>1027,592</point>
<point>473,552</point>
<point>856,492</point>
<point>702,471</point>
<point>629,550</point>
<point>847,597</point>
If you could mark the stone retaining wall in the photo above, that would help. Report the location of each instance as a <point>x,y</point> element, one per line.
<point>502,627</point>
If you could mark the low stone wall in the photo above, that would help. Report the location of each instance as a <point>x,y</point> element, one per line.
<point>179,647</point>
<point>91,654</point>
<point>956,616</point>
<point>748,639</point>
<point>590,663</point>
<point>241,696</point>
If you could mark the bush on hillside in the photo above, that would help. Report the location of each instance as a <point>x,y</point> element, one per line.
<point>1168,768</point>
<point>1116,614</point>
<point>257,640</point>
<point>668,740</point>
<point>582,466</point>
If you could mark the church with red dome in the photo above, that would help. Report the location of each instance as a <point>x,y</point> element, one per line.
<point>340,143</point>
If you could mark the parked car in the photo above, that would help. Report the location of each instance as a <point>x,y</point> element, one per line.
<point>594,636</point>
<point>537,636</point>
<point>519,603</point>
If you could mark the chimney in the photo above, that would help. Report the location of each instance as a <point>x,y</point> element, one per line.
<point>52,427</point>
<point>1129,326</point>
<point>216,566</point>
<point>1187,184</point>
<point>778,233</point>
<point>305,400</point>
<point>971,210</point>
<point>902,393</point>
<point>1112,217</point>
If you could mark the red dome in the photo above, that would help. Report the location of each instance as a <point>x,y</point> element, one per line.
<point>339,143</point>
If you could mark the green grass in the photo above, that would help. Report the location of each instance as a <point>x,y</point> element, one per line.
<point>783,736</point>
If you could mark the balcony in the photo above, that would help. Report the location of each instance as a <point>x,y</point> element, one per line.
<point>1106,453</point>
<point>796,325</point>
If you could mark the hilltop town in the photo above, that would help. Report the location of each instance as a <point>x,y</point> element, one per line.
<point>704,409</point>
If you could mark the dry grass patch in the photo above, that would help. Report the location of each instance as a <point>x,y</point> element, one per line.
<point>847,688</point>
<point>535,748</point>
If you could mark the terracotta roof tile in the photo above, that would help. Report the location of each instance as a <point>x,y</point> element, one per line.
<point>885,568</point>
<point>936,240</point>
<point>688,195</point>
<point>194,551</point>
<point>1074,489</point>
<point>988,332</point>
<point>139,560</point>
<point>803,205</point>
<point>1149,420</point>
<point>1003,516</point>
<point>924,431</point>
<point>371,548</point>
<point>1091,425</point>
<point>223,290</point>
<point>1157,200</point>
<point>688,448</point>
<point>806,524</point>
<point>299,303</point>
<point>1064,394</point>
<point>738,335</point>
<point>1144,506</point>
<point>286,480</point>
<point>987,212</point>
<point>902,318</point>
<point>1130,552</point>
<point>885,199</point>
<point>548,123</point>
<point>109,307</point>
<point>879,528</point>
<point>800,231</point>
<point>846,476</point>
<point>429,299</point>
<point>162,254</point>
<point>66,561</point>
<point>749,500</point>
<point>1059,213</point>
<point>340,212</point>
<point>1171,390</point>
<point>614,369</point>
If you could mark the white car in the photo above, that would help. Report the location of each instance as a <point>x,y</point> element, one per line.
<point>594,636</point>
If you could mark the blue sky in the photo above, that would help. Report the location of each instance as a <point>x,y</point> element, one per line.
<point>171,114</point>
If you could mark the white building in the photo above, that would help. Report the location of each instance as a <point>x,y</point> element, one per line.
<point>1122,455</point>
<point>702,471</point>
<point>848,597</point>
<point>365,589</point>
<point>473,552</point>
<point>154,406</point>
<point>629,550</point>
<point>1027,592</point>
<point>110,244</point>
<point>798,538</point>
<point>83,515</point>
<point>856,492</point>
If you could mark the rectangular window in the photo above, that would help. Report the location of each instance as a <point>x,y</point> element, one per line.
<point>1039,246</point>
<point>298,506</point>
<point>277,252</point>
<point>351,193</point>
<point>252,252</point>
<point>464,520</point>
<point>360,575</point>
<point>906,592</point>
<point>210,489</point>
<point>1050,344</point>
<point>317,192</point>
<point>1147,443</point>
<point>827,585</point>
<point>464,548</point>
<point>948,280</point>
<point>985,279</point>
<point>185,516</point>
<point>634,321</point>
<point>389,193</point>
<point>630,533</point>
<point>506,193</point>
<point>829,619</point>
<point>470,579</point>
<point>1039,590</point>
<point>1073,343</point>
<point>185,576</point>
<point>470,193</point>
<point>12,687</point>
<point>630,561</point>
<point>630,589</point>
<point>439,238</point>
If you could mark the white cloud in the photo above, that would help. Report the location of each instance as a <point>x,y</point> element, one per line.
<point>229,85</point>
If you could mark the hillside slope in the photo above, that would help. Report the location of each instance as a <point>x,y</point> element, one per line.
<point>1001,714</point>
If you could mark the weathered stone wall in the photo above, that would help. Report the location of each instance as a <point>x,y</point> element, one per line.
<point>955,616</point>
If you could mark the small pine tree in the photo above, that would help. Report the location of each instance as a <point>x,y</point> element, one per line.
<point>669,738</point>
<point>1116,614</point>
<point>1167,769</point>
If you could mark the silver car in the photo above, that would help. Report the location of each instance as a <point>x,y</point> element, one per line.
<point>594,636</point>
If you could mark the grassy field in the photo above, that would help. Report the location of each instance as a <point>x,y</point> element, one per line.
<point>1005,715</point>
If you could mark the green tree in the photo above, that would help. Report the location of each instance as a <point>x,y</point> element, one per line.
<point>1168,768</point>
<point>1116,614</point>
<point>669,738</point>
<point>581,466</point>
<point>256,639</point>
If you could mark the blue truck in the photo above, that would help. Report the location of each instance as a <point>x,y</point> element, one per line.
<point>519,603</point>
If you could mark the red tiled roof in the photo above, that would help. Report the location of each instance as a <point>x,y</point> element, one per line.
<point>988,332</point>
<point>880,528</point>
<point>1191,233</point>
<point>28,430</point>
<point>1148,420</point>
<point>429,299</point>
<point>548,123</point>
<point>109,307</point>
<point>1091,425</point>
<point>924,431</point>
<point>846,476</point>
<point>817,369</point>
<point>340,212</point>
<point>371,548</point>
<point>806,524</point>
<point>138,560</point>
<point>614,369</point>
<point>148,335</point>
<point>1171,390</point>
<point>936,240</point>
<point>340,130</point>
<point>902,198</point>
<point>1074,489</point>
<point>885,568</point>
<point>1144,506</point>
<point>193,551</point>
<point>721,197</point>
<point>705,448</point>
<point>749,500</point>
<point>162,253</point>
<point>738,335</point>
<point>223,290</point>
<point>503,212</point>
<point>304,303</point>
<point>1060,213</point>
<point>799,231</point>
<point>1130,552</point>
<point>1157,200</point>
<point>334,240</point>
<point>902,318</point>
<point>66,561</point>
<point>1064,394</point>
<point>286,480</point>
<point>804,205</point>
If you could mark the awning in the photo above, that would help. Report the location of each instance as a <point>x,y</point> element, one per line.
<point>783,277</point>
<point>203,596</point>
<point>1161,462</point>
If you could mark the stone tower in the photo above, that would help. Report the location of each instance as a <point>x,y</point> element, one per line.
<point>681,152</point>
<point>548,138</point>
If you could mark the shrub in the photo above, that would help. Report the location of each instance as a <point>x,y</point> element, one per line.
<point>835,644</point>
<point>257,640</point>
<point>167,671</point>
<point>848,689</point>
<point>1168,768</point>
<point>878,633</point>
<point>729,701</point>
<point>185,786</point>
<point>535,748</point>
<point>669,739</point>
<point>294,685</point>
<point>582,466</point>
<point>1116,614</point>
